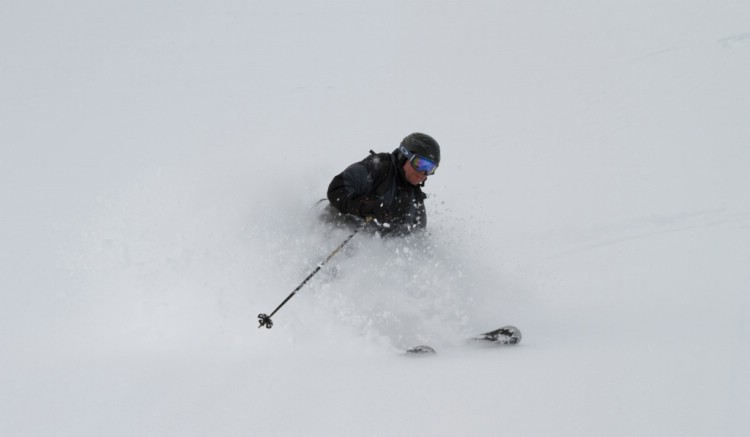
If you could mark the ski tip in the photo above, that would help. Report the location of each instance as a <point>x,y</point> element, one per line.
<point>421,350</point>
<point>505,335</point>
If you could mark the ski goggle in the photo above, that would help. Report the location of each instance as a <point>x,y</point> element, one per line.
<point>422,164</point>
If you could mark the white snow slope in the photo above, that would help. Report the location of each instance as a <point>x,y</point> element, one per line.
<point>158,165</point>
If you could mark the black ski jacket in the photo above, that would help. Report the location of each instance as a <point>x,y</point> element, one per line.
<point>376,187</point>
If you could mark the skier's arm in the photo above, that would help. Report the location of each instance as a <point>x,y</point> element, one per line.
<point>348,190</point>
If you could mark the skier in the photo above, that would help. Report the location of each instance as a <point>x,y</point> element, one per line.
<point>386,187</point>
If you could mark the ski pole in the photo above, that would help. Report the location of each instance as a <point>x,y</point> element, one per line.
<point>265,320</point>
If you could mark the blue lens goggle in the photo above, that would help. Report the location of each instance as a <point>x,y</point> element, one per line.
<point>420,163</point>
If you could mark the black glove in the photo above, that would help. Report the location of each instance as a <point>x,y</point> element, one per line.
<point>373,208</point>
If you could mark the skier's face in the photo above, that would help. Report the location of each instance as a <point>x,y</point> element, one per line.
<point>412,176</point>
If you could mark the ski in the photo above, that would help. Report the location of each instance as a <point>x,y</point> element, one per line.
<point>507,335</point>
<point>420,350</point>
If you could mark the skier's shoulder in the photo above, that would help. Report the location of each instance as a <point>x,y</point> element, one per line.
<point>379,162</point>
<point>374,169</point>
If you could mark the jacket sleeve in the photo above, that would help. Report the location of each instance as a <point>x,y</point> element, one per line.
<point>348,190</point>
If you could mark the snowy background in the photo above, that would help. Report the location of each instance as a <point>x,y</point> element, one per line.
<point>159,162</point>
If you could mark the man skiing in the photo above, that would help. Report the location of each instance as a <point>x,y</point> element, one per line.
<point>387,187</point>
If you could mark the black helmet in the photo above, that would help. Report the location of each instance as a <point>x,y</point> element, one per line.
<point>422,145</point>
